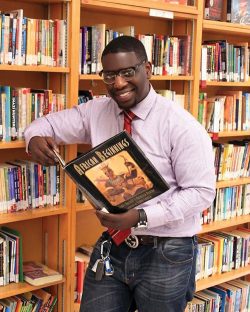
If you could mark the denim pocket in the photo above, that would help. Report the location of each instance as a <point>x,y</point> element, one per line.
<point>177,250</point>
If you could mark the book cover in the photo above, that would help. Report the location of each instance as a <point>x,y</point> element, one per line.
<point>213,10</point>
<point>116,174</point>
<point>240,11</point>
<point>38,274</point>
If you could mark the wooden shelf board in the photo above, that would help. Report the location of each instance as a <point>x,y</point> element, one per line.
<point>43,1</point>
<point>217,225</point>
<point>228,134</point>
<point>233,182</point>
<point>86,206</point>
<point>189,78</point>
<point>226,28</point>
<point>158,78</point>
<point>32,214</point>
<point>39,68</point>
<point>181,11</point>
<point>13,144</point>
<point>227,84</point>
<point>19,288</point>
<point>46,1</point>
<point>221,278</point>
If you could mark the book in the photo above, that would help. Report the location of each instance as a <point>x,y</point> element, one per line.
<point>38,274</point>
<point>115,175</point>
<point>240,10</point>
<point>213,10</point>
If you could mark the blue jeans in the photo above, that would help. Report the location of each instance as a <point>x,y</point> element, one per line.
<point>157,278</point>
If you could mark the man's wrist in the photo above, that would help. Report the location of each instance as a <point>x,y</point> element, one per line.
<point>142,220</point>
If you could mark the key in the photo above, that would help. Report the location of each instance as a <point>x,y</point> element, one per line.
<point>95,265</point>
<point>109,270</point>
<point>99,270</point>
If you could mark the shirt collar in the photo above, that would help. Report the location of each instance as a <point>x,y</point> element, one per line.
<point>142,109</point>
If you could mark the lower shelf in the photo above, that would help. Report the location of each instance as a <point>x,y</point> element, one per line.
<point>20,288</point>
<point>221,278</point>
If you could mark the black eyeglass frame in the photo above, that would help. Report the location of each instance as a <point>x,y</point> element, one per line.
<point>117,73</point>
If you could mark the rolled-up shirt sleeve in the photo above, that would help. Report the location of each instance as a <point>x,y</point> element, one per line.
<point>192,161</point>
<point>69,126</point>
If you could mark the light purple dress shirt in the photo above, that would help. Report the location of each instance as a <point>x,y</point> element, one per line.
<point>171,138</point>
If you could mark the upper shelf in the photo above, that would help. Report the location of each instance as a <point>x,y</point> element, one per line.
<point>226,28</point>
<point>13,144</point>
<point>32,214</point>
<point>38,68</point>
<point>227,84</point>
<point>140,8</point>
<point>43,1</point>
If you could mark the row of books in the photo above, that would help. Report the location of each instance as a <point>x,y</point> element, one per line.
<point>29,41</point>
<point>38,300</point>
<point>27,185</point>
<point>12,267</point>
<point>20,106</point>
<point>232,296</point>
<point>179,99</point>
<point>237,11</point>
<point>93,39</point>
<point>224,61</point>
<point>229,202</point>
<point>87,95</point>
<point>168,55</point>
<point>227,111</point>
<point>11,256</point>
<point>222,251</point>
<point>232,160</point>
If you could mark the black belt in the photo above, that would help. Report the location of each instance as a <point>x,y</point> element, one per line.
<point>133,241</point>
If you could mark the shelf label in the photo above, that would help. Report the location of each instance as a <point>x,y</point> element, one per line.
<point>161,13</point>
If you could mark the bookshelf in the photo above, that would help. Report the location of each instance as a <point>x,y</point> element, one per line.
<point>45,231</point>
<point>72,224</point>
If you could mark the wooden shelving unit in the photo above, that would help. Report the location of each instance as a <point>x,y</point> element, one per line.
<point>216,30</point>
<point>46,232</point>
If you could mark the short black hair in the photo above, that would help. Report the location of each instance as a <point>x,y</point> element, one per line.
<point>126,44</point>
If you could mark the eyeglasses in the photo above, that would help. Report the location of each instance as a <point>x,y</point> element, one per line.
<point>126,73</point>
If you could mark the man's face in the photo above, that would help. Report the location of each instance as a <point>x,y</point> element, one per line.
<point>127,93</point>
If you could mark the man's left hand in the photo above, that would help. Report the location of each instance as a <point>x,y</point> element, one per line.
<point>121,221</point>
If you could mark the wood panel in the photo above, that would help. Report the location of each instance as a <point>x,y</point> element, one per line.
<point>88,228</point>
<point>142,25</point>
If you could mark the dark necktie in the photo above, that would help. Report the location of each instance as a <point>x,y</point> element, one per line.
<point>119,236</point>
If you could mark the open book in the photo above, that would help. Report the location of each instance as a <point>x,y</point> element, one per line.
<point>115,175</point>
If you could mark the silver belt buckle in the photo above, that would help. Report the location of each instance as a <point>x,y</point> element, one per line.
<point>132,241</point>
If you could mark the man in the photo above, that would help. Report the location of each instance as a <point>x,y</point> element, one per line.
<point>159,274</point>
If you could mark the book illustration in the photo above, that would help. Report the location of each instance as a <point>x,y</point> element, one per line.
<point>115,175</point>
<point>119,178</point>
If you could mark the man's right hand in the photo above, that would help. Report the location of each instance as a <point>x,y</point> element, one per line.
<point>40,149</point>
